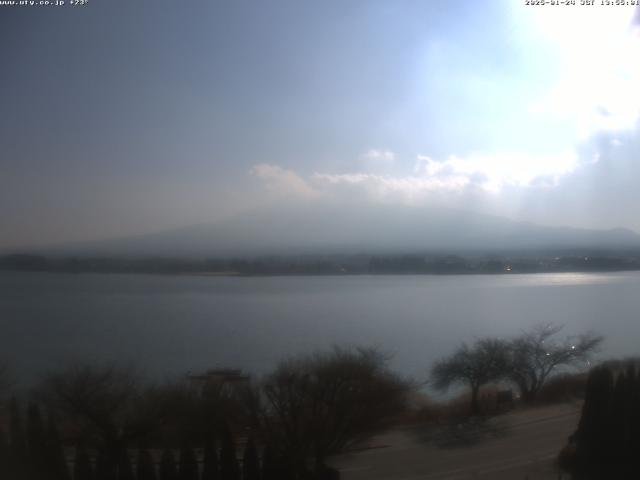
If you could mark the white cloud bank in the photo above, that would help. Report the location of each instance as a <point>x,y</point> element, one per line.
<point>485,173</point>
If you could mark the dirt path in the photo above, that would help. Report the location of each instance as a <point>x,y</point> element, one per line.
<point>510,447</point>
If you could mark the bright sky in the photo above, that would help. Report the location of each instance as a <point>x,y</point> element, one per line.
<point>128,117</point>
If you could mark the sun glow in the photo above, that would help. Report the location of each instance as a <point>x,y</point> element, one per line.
<point>599,53</point>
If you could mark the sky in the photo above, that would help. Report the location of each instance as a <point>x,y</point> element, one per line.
<point>126,117</point>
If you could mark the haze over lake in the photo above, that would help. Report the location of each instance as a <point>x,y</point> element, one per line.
<point>169,325</point>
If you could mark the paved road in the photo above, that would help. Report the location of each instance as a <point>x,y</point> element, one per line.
<point>517,446</point>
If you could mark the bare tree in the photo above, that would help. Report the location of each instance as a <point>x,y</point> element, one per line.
<point>483,362</point>
<point>535,354</point>
<point>316,405</point>
<point>103,403</point>
<point>196,410</point>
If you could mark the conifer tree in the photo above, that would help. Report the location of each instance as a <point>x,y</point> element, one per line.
<point>168,470</point>
<point>594,421</point>
<point>607,443</point>
<point>250,462</point>
<point>105,469</point>
<point>36,439</point>
<point>146,468</point>
<point>56,460</point>
<point>630,407</point>
<point>82,469</point>
<point>17,453</point>
<point>269,468</point>
<point>188,464</point>
<point>210,468</point>
<point>228,461</point>
<point>634,443</point>
<point>273,466</point>
<point>4,452</point>
<point>614,447</point>
<point>125,470</point>
<point>17,439</point>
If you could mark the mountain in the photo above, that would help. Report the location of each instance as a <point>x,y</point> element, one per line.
<point>336,229</point>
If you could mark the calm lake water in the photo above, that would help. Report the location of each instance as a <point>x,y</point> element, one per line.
<point>167,325</point>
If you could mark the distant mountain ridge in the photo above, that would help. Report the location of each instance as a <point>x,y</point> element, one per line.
<point>310,229</point>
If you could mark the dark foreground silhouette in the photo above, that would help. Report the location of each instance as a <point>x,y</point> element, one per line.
<point>105,424</point>
<point>606,444</point>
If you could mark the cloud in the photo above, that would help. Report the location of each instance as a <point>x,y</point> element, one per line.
<point>454,176</point>
<point>282,181</point>
<point>385,155</point>
<point>493,172</point>
<point>406,189</point>
<point>378,161</point>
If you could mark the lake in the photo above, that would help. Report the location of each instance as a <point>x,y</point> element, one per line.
<point>168,325</point>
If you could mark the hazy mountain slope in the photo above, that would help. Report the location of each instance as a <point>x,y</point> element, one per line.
<point>333,229</point>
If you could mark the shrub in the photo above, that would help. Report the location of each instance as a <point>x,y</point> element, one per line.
<point>563,388</point>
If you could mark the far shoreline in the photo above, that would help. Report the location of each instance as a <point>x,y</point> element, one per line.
<point>311,265</point>
<point>311,275</point>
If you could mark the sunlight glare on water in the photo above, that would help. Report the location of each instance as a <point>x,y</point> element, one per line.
<point>565,279</point>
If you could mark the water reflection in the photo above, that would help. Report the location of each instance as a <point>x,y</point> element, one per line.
<point>567,279</point>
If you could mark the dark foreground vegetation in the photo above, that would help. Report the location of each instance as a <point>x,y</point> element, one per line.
<point>435,264</point>
<point>606,444</point>
<point>106,423</point>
